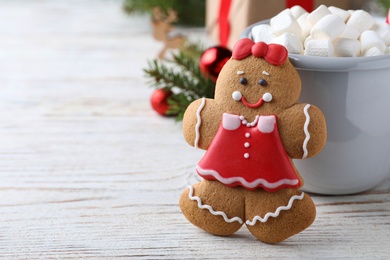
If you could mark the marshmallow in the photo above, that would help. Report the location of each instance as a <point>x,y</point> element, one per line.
<point>297,11</point>
<point>307,40</point>
<point>317,14</point>
<point>374,51</point>
<point>361,20</point>
<point>262,33</point>
<point>322,48</point>
<point>305,26</point>
<point>344,47</point>
<point>326,32</point>
<point>343,14</point>
<point>370,39</point>
<point>386,37</point>
<point>329,27</point>
<point>383,30</point>
<point>285,22</point>
<point>350,32</point>
<point>292,43</point>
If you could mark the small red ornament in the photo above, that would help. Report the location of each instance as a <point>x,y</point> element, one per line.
<point>159,101</point>
<point>388,17</point>
<point>213,59</point>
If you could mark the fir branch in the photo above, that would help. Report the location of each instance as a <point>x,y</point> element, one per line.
<point>193,49</point>
<point>146,6</point>
<point>385,4</point>
<point>183,77</point>
<point>178,105</point>
<point>190,12</point>
<point>204,87</point>
<point>168,77</point>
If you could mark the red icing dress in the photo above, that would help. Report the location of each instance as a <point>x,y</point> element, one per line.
<point>249,155</point>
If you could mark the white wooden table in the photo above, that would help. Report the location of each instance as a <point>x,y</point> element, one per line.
<point>88,170</point>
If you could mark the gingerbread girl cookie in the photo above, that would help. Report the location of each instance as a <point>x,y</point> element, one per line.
<point>252,130</point>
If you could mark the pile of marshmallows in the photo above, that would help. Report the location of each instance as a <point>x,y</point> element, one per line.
<point>326,32</point>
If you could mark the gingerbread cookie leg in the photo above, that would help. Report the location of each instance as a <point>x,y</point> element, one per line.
<point>273,217</point>
<point>213,207</point>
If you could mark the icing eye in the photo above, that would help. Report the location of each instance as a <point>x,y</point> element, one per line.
<point>262,82</point>
<point>243,81</point>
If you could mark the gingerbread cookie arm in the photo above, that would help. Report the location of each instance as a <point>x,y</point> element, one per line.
<point>303,130</point>
<point>200,123</point>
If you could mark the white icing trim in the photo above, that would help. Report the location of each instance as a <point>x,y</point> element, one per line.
<point>199,121</point>
<point>209,208</point>
<point>266,124</point>
<point>230,122</point>
<point>238,219</point>
<point>245,122</point>
<point>276,213</point>
<point>245,183</point>
<point>305,129</point>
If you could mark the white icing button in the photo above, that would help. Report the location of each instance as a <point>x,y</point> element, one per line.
<point>237,95</point>
<point>247,135</point>
<point>246,155</point>
<point>247,144</point>
<point>267,97</point>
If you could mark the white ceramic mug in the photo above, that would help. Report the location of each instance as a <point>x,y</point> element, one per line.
<point>354,95</point>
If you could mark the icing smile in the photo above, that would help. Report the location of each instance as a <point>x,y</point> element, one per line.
<point>254,105</point>
<point>237,96</point>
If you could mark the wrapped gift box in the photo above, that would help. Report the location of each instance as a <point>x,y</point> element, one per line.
<point>226,19</point>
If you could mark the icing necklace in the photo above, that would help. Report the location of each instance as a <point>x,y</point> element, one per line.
<point>245,122</point>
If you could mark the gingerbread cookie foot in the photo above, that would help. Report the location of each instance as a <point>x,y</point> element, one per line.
<point>217,214</point>
<point>288,219</point>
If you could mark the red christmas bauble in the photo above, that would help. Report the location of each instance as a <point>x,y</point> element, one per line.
<point>213,59</point>
<point>159,101</point>
<point>388,17</point>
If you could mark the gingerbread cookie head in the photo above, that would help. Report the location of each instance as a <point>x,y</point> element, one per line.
<point>258,79</point>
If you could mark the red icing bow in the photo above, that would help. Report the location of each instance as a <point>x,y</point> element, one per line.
<point>275,54</point>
